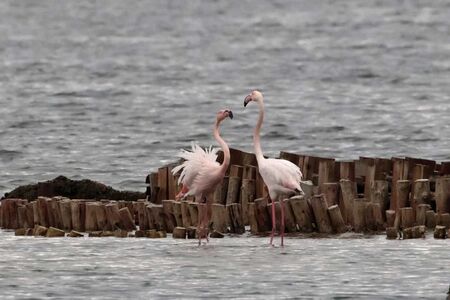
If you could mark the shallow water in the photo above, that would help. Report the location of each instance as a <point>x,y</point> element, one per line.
<point>233,267</point>
<point>112,91</point>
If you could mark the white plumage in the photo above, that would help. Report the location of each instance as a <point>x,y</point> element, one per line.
<point>198,165</point>
<point>281,176</point>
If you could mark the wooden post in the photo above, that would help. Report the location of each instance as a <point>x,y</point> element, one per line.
<point>421,194</point>
<point>247,196</point>
<point>443,220</point>
<point>91,217</point>
<point>234,187</point>
<point>331,192</point>
<point>442,194</point>
<point>30,215</point>
<point>380,195</point>
<point>126,219</point>
<point>100,216</point>
<point>159,217</point>
<point>219,217</point>
<point>262,215</point>
<point>177,213</point>
<point>302,213</point>
<point>252,218</point>
<point>236,171</point>
<point>260,186</point>
<point>220,194</point>
<point>66,214</point>
<point>402,191</point>
<point>22,217</point>
<point>348,190</point>
<point>172,185</point>
<point>151,218</point>
<point>390,218</point>
<point>347,170</point>
<point>56,211</point>
<point>163,178</point>
<point>35,213</point>
<point>193,212</point>
<point>320,210</point>
<point>397,174</point>
<point>75,213</point>
<point>153,178</point>
<point>50,213</point>
<point>336,219</point>
<point>421,211</point>
<point>290,224</point>
<point>249,172</point>
<point>42,210</point>
<point>378,216</point>
<point>185,216</point>
<point>430,216</point>
<point>359,214</point>
<point>142,215</point>
<point>407,217</point>
<point>235,217</point>
<point>370,217</point>
<point>179,233</point>
<point>168,211</point>
<point>326,171</point>
<point>113,215</point>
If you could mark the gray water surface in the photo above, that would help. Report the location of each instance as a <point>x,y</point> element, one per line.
<point>233,267</point>
<point>112,90</point>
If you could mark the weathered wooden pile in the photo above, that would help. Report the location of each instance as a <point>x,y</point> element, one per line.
<point>57,215</point>
<point>402,196</point>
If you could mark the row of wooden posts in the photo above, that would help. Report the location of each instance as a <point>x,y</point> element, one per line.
<point>400,195</point>
<point>369,194</point>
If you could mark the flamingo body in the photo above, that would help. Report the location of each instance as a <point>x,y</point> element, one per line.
<point>201,173</point>
<point>281,177</point>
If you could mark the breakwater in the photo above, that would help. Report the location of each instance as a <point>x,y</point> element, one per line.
<point>400,196</point>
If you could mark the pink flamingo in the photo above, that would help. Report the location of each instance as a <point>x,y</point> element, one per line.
<point>281,177</point>
<point>201,173</point>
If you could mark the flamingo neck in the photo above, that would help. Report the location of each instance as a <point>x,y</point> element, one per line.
<point>256,134</point>
<point>225,149</point>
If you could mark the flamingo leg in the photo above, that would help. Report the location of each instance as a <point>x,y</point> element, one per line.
<point>182,192</point>
<point>207,219</point>
<point>273,222</point>
<point>282,222</point>
<point>200,222</point>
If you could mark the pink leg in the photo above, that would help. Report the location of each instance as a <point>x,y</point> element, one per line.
<point>200,223</point>
<point>273,222</point>
<point>205,222</point>
<point>282,221</point>
<point>182,192</point>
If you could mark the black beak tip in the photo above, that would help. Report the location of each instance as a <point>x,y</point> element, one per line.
<point>230,114</point>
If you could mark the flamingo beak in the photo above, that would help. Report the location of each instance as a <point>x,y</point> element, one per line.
<point>230,114</point>
<point>247,100</point>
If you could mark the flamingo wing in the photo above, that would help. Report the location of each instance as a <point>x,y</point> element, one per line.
<point>280,174</point>
<point>196,160</point>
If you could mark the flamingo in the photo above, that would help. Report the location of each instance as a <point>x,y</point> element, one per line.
<point>281,177</point>
<point>201,173</point>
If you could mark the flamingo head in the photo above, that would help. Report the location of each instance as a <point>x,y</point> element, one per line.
<point>223,114</point>
<point>253,96</point>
